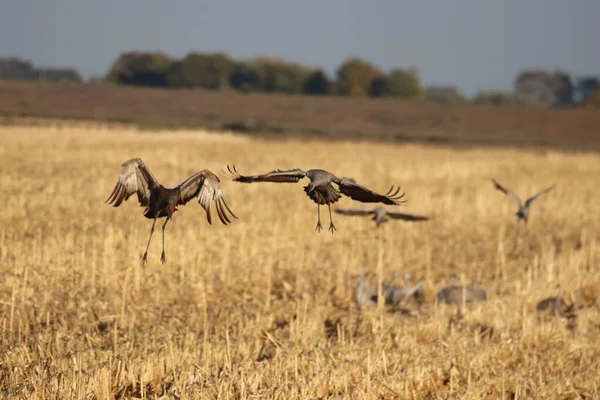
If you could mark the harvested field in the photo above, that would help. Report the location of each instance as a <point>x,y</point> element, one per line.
<point>282,116</point>
<point>264,307</point>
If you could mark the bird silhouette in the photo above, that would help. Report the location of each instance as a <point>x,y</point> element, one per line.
<point>380,214</point>
<point>161,202</point>
<point>321,190</point>
<point>523,211</point>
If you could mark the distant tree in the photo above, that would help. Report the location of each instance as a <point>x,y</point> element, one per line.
<point>402,83</point>
<point>245,78</point>
<point>62,75</point>
<point>551,88</point>
<point>17,69</point>
<point>563,88</point>
<point>317,83</point>
<point>280,76</point>
<point>141,69</point>
<point>592,100</point>
<point>497,97</point>
<point>447,94</point>
<point>585,87</point>
<point>355,77</point>
<point>209,71</point>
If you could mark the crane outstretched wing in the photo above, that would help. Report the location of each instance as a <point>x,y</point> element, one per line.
<point>533,198</point>
<point>508,192</point>
<point>406,216</point>
<point>350,188</point>
<point>205,186</point>
<point>278,175</point>
<point>135,178</point>
<point>355,211</point>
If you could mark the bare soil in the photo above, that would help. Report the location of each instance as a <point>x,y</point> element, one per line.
<point>283,116</point>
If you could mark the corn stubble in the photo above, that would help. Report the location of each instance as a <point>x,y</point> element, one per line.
<point>264,307</point>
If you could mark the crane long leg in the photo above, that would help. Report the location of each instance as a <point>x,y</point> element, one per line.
<point>319,227</point>
<point>331,225</point>
<point>162,257</point>
<point>145,257</point>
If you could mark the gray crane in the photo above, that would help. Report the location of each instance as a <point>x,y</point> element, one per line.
<point>454,293</point>
<point>396,295</point>
<point>523,211</point>
<point>161,202</point>
<point>380,214</point>
<point>321,190</point>
<point>365,295</point>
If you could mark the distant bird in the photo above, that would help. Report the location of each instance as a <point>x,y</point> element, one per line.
<point>453,294</point>
<point>365,295</point>
<point>397,295</point>
<point>556,305</point>
<point>160,202</point>
<point>380,214</point>
<point>523,212</point>
<point>321,190</point>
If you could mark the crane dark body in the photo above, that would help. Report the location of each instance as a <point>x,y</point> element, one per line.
<point>161,202</point>
<point>160,199</point>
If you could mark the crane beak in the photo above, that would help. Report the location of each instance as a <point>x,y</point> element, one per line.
<point>311,187</point>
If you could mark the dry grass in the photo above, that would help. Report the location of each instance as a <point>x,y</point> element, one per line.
<point>264,308</point>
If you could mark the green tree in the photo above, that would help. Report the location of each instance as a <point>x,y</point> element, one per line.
<point>245,78</point>
<point>17,70</point>
<point>355,77</point>
<point>209,71</point>
<point>317,83</point>
<point>401,83</point>
<point>547,87</point>
<point>280,76</point>
<point>592,100</point>
<point>141,69</point>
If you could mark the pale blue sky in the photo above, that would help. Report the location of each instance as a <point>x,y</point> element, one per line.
<point>474,44</point>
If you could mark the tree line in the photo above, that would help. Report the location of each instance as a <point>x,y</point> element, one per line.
<point>354,77</point>
<point>15,69</point>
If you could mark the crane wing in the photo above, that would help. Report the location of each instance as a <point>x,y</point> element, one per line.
<point>355,211</point>
<point>350,188</point>
<point>135,178</point>
<point>530,200</point>
<point>506,191</point>
<point>205,186</point>
<point>405,216</point>
<point>279,176</point>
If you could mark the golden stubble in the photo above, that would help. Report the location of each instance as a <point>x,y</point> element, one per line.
<point>264,307</point>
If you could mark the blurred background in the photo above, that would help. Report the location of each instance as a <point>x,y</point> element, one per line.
<point>540,52</point>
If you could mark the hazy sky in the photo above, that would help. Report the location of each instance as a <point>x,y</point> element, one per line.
<point>474,44</point>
